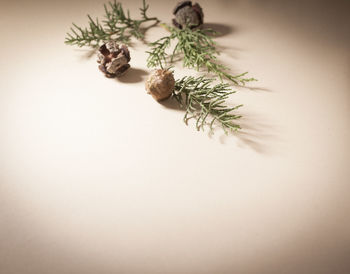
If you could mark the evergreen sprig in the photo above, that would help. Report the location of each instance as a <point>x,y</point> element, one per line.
<point>206,102</point>
<point>198,51</point>
<point>117,25</point>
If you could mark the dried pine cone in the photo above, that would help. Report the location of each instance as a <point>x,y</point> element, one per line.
<point>188,15</point>
<point>160,84</point>
<point>113,59</point>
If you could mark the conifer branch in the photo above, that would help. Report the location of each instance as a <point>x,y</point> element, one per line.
<point>198,51</point>
<point>206,103</point>
<point>117,25</point>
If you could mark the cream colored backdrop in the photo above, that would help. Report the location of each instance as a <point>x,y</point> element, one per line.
<point>96,177</point>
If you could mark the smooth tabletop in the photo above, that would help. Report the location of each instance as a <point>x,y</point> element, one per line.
<point>97,177</point>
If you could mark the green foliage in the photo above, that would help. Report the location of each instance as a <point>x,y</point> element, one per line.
<point>206,102</point>
<point>116,25</point>
<point>199,96</point>
<point>197,49</point>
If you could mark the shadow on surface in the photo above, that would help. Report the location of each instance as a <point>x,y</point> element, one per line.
<point>256,133</point>
<point>256,88</point>
<point>171,103</point>
<point>133,75</point>
<point>221,29</point>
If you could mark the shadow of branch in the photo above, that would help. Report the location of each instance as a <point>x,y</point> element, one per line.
<point>220,29</point>
<point>256,133</point>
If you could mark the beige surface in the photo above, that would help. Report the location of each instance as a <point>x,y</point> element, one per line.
<point>96,177</point>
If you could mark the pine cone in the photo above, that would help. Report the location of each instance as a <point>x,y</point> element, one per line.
<point>188,15</point>
<point>113,59</point>
<point>160,84</point>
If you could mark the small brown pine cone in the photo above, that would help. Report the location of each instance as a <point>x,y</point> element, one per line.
<point>113,59</point>
<point>188,15</point>
<point>160,84</point>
